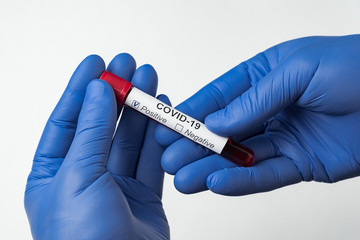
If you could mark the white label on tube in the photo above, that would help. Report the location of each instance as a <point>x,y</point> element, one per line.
<point>175,120</point>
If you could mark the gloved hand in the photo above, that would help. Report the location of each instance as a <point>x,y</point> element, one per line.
<point>84,183</point>
<point>297,105</point>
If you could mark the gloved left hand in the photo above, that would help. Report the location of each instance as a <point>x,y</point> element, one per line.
<point>86,185</point>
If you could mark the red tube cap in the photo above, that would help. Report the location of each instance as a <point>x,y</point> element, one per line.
<point>121,86</point>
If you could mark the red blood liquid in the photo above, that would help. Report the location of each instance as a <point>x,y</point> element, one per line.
<point>238,153</point>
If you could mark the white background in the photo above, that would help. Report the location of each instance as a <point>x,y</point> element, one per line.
<point>189,43</point>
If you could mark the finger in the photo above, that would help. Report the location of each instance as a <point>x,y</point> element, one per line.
<point>122,65</point>
<point>220,93</point>
<point>88,154</point>
<point>192,177</point>
<point>130,133</point>
<point>266,176</point>
<point>211,98</point>
<point>181,153</point>
<point>62,122</point>
<point>184,151</point>
<point>149,171</point>
<point>276,91</point>
<point>60,128</point>
<point>262,146</point>
<point>192,172</point>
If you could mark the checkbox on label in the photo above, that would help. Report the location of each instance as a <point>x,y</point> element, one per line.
<point>179,127</point>
<point>135,104</point>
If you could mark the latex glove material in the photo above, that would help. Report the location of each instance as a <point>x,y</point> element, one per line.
<point>84,183</point>
<point>300,98</point>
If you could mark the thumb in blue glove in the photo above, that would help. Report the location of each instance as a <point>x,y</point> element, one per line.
<point>299,104</point>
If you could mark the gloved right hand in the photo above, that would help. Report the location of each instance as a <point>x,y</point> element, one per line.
<point>300,98</point>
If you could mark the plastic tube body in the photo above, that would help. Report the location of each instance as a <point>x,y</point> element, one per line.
<point>177,121</point>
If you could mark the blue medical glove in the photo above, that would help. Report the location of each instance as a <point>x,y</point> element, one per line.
<point>86,182</point>
<point>297,105</point>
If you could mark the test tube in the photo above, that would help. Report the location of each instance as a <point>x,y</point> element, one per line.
<point>127,94</point>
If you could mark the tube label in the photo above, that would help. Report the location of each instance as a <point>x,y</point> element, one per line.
<point>175,120</point>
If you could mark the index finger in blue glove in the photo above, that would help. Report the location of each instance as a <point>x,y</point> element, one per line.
<point>192,172</point>
<point>181,153</point>
<point>60,128</point>
<point>264,176</point>
<point>122,65</point>
<point>131,130</point>
<point>192,177</point>
<point>184,151</point>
